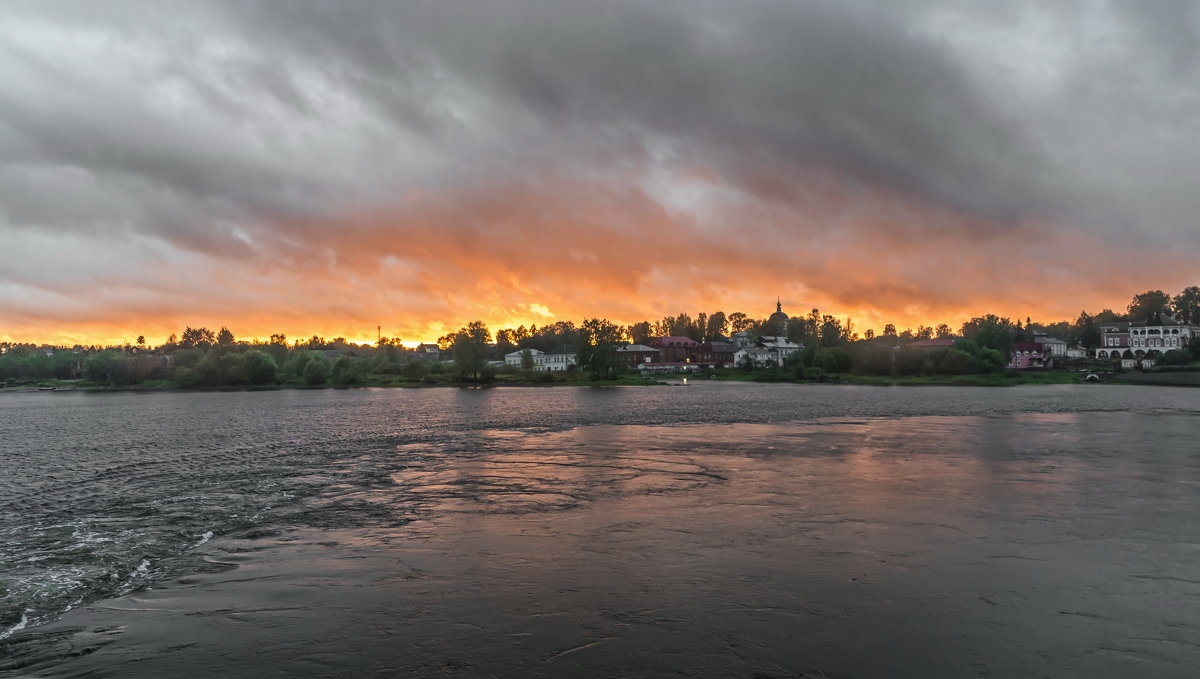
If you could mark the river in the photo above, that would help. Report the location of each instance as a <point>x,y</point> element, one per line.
<point>712,530</point>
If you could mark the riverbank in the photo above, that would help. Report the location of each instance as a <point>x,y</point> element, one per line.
<point>571,379</point>
<point>574,379</point>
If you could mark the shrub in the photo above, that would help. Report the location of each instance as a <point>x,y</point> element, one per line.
<point>1175,357</point>
<point>260,368</point>
<point>316,372</point>
<point>833,360</point>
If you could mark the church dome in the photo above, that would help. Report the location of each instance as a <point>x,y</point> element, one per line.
<point>777,323</point>
<point>778,315</point>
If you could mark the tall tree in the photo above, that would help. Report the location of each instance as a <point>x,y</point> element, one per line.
<point>717,325</point>
<point>598,340</point>
<point>1147,304</point>
<point>943,331</point>
<point>197,337</point>
<point>224,336</point>
<point>1186,305</point>
<point>739,322</point>
<point>992,332</point>
<point>470,349</point>
<point>641,332</point>
<point>1085,331</point>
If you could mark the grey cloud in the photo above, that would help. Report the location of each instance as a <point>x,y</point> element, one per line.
<point>301,107</point>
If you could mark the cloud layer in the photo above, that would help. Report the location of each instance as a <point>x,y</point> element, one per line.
<point>313,167</point>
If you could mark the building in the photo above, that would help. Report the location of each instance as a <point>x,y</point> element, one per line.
<point>743,338</point>
<point>767,351</point>
<point>757,357</point>
<point>781,348</point>
<point>632,355</point>
<point>777,323</point>
<point>1140,343</point>
<point>514,359</point>
<point>1057,347</point>
<point>561,359</point>
<point>1159,334</point>
<point>427,352</point>
<point>674,349</point>
<point>716,353</point>
<point>1031,355</point>
<point>1114,341</point>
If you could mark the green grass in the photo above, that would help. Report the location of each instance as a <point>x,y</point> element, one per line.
<point>996,379</point>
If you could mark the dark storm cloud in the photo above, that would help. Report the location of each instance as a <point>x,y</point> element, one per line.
<point>226,129</point>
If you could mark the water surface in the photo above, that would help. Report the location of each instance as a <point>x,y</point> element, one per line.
<point>712,530</point>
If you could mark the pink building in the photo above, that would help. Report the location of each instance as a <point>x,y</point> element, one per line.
<point>1114,341</point>
<point>1030,355</point>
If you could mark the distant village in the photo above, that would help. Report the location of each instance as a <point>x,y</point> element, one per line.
<point>1130,344</point>
<point>1157,329</point>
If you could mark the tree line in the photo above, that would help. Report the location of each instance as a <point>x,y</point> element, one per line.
<point>203,357</point>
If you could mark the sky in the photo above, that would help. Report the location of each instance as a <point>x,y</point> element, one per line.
<point>315,167</point>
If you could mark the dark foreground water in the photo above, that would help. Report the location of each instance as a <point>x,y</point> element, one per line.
<point>717,530</point>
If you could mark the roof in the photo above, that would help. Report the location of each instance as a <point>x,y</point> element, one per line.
<point>637,347</point>
<point>563,350</point>
<point>1028,347</point>
<point>718,346</point>
<point>777,342</point>
<point>933,343</point>
<point>1157,320</point>
<point>1046,339</point>
<point>755,351</point>
<point>674,341</point>
<point>1116,325</point>
<point>518,352</point>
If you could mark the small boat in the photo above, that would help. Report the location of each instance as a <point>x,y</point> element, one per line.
<point>1091,377</point>
<point>47,388</point>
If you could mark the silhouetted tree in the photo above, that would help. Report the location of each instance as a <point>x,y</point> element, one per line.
<point>470,349</point>
<point>1186,305</point>
<point>1148,303</point>
<point>641,332</point>
<point>598,339</point>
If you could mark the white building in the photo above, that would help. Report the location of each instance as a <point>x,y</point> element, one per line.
<point>781,348</point>
<point>757,357</point>
<point>514,359</point>
<point>559,360</point>
<point>1057,347</point>
<point>1158,335</point>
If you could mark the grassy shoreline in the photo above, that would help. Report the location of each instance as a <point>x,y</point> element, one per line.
<point>997,379</point>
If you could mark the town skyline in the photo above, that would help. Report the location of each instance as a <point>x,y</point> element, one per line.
<point>1185,305</point>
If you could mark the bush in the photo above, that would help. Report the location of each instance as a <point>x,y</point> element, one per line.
<point>991,360</point>
<point>109,367</point>
<point>415,370</point>
<point>833,360</point>
<point>260,368</point>
<point>956,362</point>
<point>1175,357</point>
<point>487,374</point>
<point>316,372</point>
